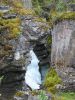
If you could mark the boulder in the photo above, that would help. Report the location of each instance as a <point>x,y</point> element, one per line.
<point>4,9</point>
<point>9,16</point>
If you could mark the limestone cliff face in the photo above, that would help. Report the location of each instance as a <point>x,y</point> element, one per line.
<point>63,51</point>
<point>63,44</point>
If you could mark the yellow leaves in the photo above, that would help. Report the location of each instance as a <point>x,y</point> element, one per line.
<point>63,96</point>
<point>19,93</point>
<point>17,4</point>
<point>68,15</point>
<point>15,20</point>
<point>1,14</point>
<point>18,8</point>
<point>13,25</point>
<point>24,11</point>
<point>38,19</point>
<point>16,31</point>
<point>9,21</point>
<point>56,17</point>
<point>51,80</point>
<point>54,14</point>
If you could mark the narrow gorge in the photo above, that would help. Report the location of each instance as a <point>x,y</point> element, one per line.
<point>37,45</point>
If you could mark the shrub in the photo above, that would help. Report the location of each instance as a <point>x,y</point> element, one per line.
<point>13,25</point>
<point>42,95</point>
<point>51,80</point>
<point>61,6</point>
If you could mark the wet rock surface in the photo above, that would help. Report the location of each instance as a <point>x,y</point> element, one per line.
<point>42,53</point>
<point>44,57</point>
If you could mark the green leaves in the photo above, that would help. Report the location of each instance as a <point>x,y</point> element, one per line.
<point>51,80</point>
<point>61,6</point>
<point>42,95</point>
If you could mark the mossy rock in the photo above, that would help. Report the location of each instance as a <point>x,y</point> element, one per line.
<point>1,14</point>
<point>58,17</point>
<point>51,80</point>
<point>19,93</point>
<point>13,25</point>
<point>66,16</point>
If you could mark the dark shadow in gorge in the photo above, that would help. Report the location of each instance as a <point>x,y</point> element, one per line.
<point>8,91</point>
<point>44,56</point>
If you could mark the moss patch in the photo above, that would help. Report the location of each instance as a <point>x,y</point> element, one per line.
<point>64,16</point>
<point>19,93</point>
<point>13,25</point>
<point>56,17</point>
<point>51,80</point>
<point>64,96</point>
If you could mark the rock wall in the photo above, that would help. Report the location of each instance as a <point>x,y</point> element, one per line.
<point>63,43</point>
<point>63,51</point>
<point>14,51</point>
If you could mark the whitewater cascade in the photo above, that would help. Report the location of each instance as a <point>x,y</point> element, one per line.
<point>33,76</point>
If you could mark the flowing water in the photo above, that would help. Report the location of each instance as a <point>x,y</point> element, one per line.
<point>33,76</point>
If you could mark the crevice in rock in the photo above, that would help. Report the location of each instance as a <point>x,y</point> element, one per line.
<point>44,57</point>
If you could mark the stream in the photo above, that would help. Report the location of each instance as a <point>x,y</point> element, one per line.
<point>32,71</point>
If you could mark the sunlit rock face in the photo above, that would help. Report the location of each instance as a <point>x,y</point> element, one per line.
<point>63,51</point>
<point>63,44</point>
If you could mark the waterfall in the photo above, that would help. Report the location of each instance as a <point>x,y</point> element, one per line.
<point>33,76</point>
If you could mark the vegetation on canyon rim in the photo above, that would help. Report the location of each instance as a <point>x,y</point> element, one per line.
<point>13,25</point>
<point>54,10</point>
<point>56,14</point>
